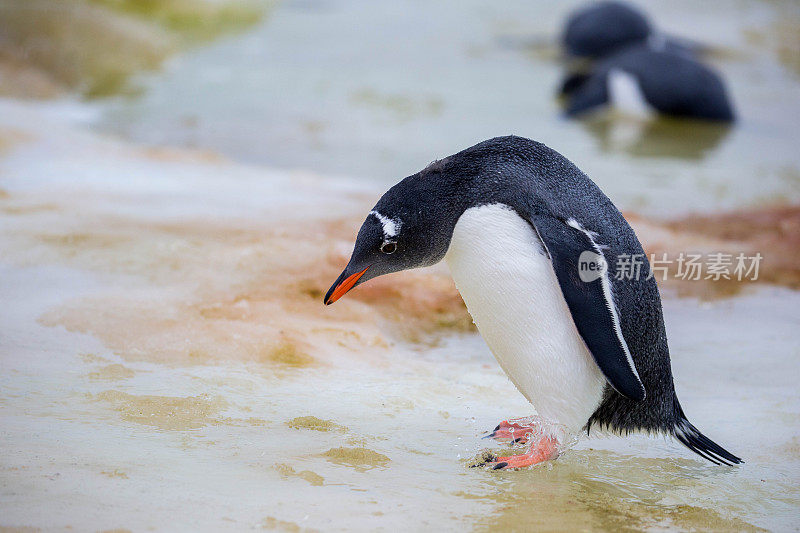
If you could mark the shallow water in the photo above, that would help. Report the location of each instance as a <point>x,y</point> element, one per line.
<point>164,348</point>
<point>378,90</point>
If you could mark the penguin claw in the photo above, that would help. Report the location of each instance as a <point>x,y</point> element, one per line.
<point>487,458</point>
<point>515,432</point>
<point>544,450</point>
<point>493,433</point>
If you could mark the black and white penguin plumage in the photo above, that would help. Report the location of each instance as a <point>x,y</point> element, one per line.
<point>642,80</point>
<point>511,217</point>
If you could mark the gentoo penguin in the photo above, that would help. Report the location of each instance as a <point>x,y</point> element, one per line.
<point>645,81</point>
<point>602,28</point>
<point>514,220</point>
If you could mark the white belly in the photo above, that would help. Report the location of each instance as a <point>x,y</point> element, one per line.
<point>500,268</point>
<point>626,94</point>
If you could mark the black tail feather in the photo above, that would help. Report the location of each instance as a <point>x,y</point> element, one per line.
<point>706,448</point>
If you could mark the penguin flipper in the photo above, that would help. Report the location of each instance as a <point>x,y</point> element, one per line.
<point>591,303</point>
<point>587,96</point>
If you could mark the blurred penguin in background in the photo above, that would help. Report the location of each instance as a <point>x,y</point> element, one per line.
<point>618,59</point>
<point>645,82</point>
<point>602,28</point>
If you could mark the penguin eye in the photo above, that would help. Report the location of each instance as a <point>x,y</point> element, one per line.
<point>389,247</point>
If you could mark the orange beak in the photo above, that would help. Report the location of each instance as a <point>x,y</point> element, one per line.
<point>342,286</point>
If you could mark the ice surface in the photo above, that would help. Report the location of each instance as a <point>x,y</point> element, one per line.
<point>164,347</point>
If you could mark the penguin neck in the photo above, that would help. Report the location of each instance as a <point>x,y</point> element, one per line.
<point>482,191</point>
<point>445,199</point>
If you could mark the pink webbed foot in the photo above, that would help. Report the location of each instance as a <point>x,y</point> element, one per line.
<point>542,450</point>
<point>516,430</point>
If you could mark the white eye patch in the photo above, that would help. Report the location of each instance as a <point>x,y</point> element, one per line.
<point>391,226</point>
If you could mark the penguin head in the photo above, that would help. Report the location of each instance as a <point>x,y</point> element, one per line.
<point>409,227</point>
<point>601,28</point>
